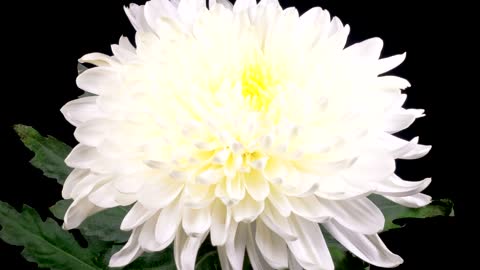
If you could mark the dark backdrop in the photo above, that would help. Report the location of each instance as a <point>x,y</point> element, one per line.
<point>44,39</point>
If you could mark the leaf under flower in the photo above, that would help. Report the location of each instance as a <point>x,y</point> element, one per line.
<point>50,153</point>
<point>393,211</point>
<point>44,242</point>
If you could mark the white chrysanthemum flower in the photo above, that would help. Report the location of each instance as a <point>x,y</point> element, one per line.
<point>245,122</point>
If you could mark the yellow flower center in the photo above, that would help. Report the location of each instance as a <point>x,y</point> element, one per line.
<point>258,84</point>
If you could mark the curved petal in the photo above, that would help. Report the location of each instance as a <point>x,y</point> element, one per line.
<point>279,201</point>
<point>168,223</point>
<point>137,215</point>
<point>309,208</point>
<point>389,63</point>
<point>397,187</point>
<point>359,215</point>
<point>105,196</point>
<point>370,48</point>
<point>235,245</point>
<point>78,211</point>
<point>272,247</point>
<point>93,132</point>
<point>247,209</point>
<point>82,157</point>
<point>196,221</point>
<point>129,252</point>
<point>414,201</point>
<point>222,256</point>
<point>99,80</point>
<point>369,248</point>
<point>373,166</point>
<point>188,252</point>
<point>256,185</point>
<point>98,59</point>
<point>221,219</point>
<point>256,259</point>
<point>160,194</point>
<point>81,110</point>
<point>72,180</point>
<point>277,223</point>
<point>310,249</point>
<point>147,236</point>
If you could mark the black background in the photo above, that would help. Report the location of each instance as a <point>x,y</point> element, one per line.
<point>44,39</point>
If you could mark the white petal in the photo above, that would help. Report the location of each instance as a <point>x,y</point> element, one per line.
<point>241,5</point>
<point>147,236</point>
<point>391,83</point>
<point>189,252</point>
<point>78,211</point>
<point>310,249</point>
<point>222,256</point>
<point>397,187</point>
<point>129,252</point>
<point>82,157</point>
<point>210,176</point>
<point>168,223</point>
<point>84,187</point>
<point>130,184</point>
<point>292,262</point>
<point>371,167</point>
<point>277,223</point>
<point>125,44</point>
<point>256,185</point>
<point>221,219</point>
<point>158,10</point>
<point>235,245</point>
<point>279,201</point>
<point>235,188</point>
<point>72,180</point>
<point>160,194</point>
<point>81,110</point>
<point>389,63</point>
<point>359,215</point>
<point>414,201</point>
<point>272,246</point>
<point>400,120</point>
<point>418,152</point>
<point>93,132</point>
<point>137,215</point>
<point>369,248</point>
<point>247,209</point>
<point>135,14</point>
<point>309,208</point>
<point>370,48</point>
<point>105,196</point>
<point>188,10</point>
<point>99,80</point>
<point>180,240</point>
<point>196,221</point>
<point>256,259</point>
<point>98,59</point>
<point>123,55</point>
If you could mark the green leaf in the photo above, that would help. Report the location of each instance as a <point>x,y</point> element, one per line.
<point>50,153</point>
<point>45,243</point>
<point>104,225</point>
<point>393,211</point>
<point>208,261</point>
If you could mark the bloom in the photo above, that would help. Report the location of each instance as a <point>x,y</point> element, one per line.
<point>247,123</point>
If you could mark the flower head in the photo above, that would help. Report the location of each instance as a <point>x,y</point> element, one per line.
<point>248,123</point>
